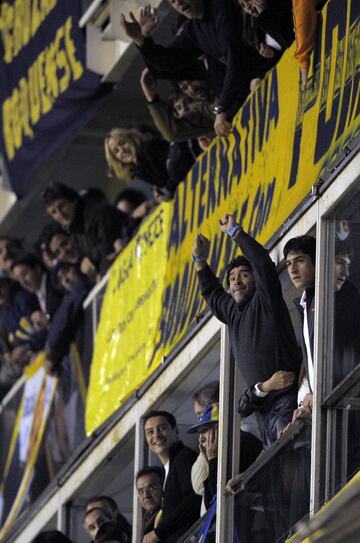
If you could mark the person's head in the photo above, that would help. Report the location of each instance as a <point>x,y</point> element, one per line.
<point>39,320</point>
<point>111,532</point>
<point>191,9</point>
<point>182,105</point>
<point>7,288</point>
<point>343,257</point>
<point>247,7</point>
<point>161,433</point>
<point>9,250</point>
<point>197,90</point>
<point>205,396</point>
<point>240,279</point>
<point>149,483</point>
<point>207,420</point>
<point>63,248</point>
<point>67,275</point>
<point>61,202</point>
<point>121,150</point>
<point>106,503</point>
<point>204,142</point>
<point>93,519</point>
<point>28,271</point>
<point>128,200</point>
<point>299,254</point>
<point>52,536</point>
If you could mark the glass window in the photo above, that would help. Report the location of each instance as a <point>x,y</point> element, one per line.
<point>341,370</point>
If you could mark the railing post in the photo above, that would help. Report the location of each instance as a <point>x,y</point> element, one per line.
<point>223,522</point>
<point>138,464</point>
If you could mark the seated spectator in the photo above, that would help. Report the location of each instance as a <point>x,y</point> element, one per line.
<point>181,506</point>
<point>62,247</point>
<point>212,30</point>
<point>149,484</point>
<point>181,116</point>
<point>129,154</point>
<point>111,532</point>
<point>33,277</point>
<point>205,396</point>
<point>134,203</point>
<point>108,505</point>
<point>94,225</point>
<point>267,26</point>
<point>53,536</point>
<point>67,318</point>
<point>93,519</point>
<point>261,334</point>
<point>10,249</point>
<point>207,428</point>
<point>16,309</point>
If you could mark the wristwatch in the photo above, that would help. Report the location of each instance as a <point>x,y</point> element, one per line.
<point>218,109</point>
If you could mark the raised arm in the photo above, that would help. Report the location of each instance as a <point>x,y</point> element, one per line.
<point>218,300</point>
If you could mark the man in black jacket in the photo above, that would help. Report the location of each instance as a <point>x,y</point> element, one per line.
<point>261,334</point>
<point>180,504</point>
<point>213,29</point>
<point>299,256</point>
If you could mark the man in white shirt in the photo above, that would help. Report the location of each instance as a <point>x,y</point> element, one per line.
<point>299,255</point>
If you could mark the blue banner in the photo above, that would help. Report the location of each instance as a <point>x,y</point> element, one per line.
<point>46,92</point>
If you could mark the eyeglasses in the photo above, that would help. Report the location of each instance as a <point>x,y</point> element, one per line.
<point>152,488</point>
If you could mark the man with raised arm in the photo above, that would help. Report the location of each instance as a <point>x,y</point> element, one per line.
<point>213,30</point>
<point>262,337</point>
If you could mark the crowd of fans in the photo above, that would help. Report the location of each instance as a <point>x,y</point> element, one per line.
<point>220,52</point>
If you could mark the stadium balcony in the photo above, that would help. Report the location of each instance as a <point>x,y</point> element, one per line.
<point>291,166</point>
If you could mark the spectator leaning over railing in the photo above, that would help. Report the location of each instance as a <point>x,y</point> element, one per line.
<point>32,275</point>
<point>267,26</point>
<point>67,319</point>
<point>305,21</point>
<point>62,247</point>
<point>130,153</point>
<point>10,250</point>
<point>149,484</point>
<point>19,338</point>
<point>300,257</point>
<point>134,203</point>
<point>181,116</point>
<point>261,334</point>
<point>98,229</point>
<point>212,30</point>
<point>181,506</point>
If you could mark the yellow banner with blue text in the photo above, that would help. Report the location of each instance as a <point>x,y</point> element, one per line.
<point>130,319</point>
<point>281,143</point>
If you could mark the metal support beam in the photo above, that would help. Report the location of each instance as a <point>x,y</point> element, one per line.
<point>223,526</point>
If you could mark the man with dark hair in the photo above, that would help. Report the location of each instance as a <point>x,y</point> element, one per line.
<point>111,532</point>
<point>97,228</point>
<point>93,519</point>
<point>149,482</point>
<point>62,246</point>
<point>10,249</point>
<point>107,503</point>
<point>299,254</point>
<point>212,30</point>
<point>33,277</point>
<point>53,536</point>
<point>181,505</point>
<point>261,334</point>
